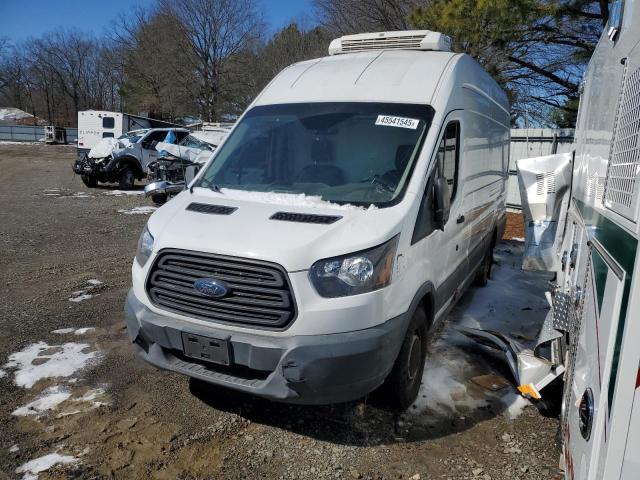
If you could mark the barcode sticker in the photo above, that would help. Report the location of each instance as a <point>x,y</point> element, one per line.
<point>401,122</point>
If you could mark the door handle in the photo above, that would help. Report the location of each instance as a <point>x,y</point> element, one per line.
<point>460,219</point>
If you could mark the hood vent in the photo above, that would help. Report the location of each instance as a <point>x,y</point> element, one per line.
<point>211,209</point>
<point>305,218</point>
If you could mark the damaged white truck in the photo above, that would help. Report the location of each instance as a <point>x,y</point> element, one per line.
<point>125,159</point>
<point>344,215</point>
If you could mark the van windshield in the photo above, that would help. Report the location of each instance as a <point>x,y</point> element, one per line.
<point>357,153</point>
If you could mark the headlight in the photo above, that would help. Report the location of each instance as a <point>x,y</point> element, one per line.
<point>145,247</point>
<point>355,273</point>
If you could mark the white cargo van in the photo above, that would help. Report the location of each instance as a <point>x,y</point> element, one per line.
<point>346,212</point>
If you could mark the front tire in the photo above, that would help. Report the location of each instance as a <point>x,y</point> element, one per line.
<point>483,274</point>
<point>89,180</point>
<point>127,179</point>
<point>400,389</point>
<point>159,198</point>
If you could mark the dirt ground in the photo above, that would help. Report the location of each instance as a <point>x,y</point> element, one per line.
<point>65,263</point>
<point>515,226</point>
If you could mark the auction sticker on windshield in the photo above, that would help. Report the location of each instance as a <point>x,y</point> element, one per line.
<point>402,122</point>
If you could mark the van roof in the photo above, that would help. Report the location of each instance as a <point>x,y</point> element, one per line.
<point>399,76</point>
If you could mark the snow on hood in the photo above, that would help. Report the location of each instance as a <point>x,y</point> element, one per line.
<point>190,154</point>
<point>294,245</point>
<point>287,199</point>
<point>103,148</point>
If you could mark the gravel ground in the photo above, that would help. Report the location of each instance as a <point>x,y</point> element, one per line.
<point>123,419</point>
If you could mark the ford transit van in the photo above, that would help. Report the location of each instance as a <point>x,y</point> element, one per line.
<point>344,215</point>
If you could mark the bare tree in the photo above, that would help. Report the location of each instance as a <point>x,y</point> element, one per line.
<point>216,31</point>
<point>343,17</point>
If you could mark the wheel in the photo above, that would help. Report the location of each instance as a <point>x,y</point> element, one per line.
<point>126,180</point>
<point>483,274</point>
<point>400,388</point>
<point>89,180</point>
<point>159,198</point>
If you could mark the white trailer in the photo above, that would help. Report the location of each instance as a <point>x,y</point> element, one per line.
<point>584,224</point>
<point>94,125</point>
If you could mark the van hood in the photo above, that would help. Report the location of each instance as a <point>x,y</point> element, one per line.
<point>249,232</point>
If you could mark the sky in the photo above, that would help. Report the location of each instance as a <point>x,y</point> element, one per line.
<point>20,19</point>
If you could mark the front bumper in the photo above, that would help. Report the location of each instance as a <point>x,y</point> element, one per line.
<point>305,369</point>
<point>163,187</point>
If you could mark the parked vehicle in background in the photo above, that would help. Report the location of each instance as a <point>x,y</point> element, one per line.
<point>53,134</point>
<point>125,159</point>
<point>177,165</point>
<point>94,125</point>
<point>345,214</point>
<point>584,225</point>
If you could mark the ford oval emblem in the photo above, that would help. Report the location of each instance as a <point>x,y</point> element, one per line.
<point>211,287</point>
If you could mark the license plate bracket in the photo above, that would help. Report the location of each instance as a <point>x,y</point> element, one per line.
<point>207,349</point>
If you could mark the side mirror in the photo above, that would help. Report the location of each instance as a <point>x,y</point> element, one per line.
<point>442,202</point>
<point>145,144</point>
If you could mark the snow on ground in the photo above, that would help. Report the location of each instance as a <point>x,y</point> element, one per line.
<point>13,114</point>
<point>2,373</point>
<point>14,448</point>
<point>39,360</point>
<point>47,400</point>
<point>146,210</point>
<point>91,399</point>
<point>513,304</point>
<point>32,468</point>
<point>286,199</point>
<point>10,142</point>
<point>78,331</point>
<point>80,296</point>
<point>118,193</point>
<point>64,331</point>
<point>88,292</point>
<point>81,195</point>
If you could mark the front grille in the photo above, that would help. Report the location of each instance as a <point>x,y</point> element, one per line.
<point>259,292</point>
<point>305,217</point>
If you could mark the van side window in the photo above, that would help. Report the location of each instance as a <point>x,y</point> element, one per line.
<point>108,122</point>
<point>424,223</point>
<point>448,153</point>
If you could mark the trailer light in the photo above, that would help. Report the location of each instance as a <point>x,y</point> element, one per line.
<point>145,247</point>
<point>355,273</point>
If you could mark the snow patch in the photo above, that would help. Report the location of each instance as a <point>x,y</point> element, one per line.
<point>2,373</point>
<point>47,400</point>
<point>118,193</point>
<point>78,297</point>
<point>81,195</point>
<point>286,199</point>
<point>86,402</point>
<point>39,360</point>
<point>83,331</point>
<point>9,142</point>
<point>146,210</point>
<point>32,468</point>
<point>14,448</point>
<point>86,293</point>
<point>79,331</point>
<point>512,303</point>
<point>13,114</point>
<point>64,331</point>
